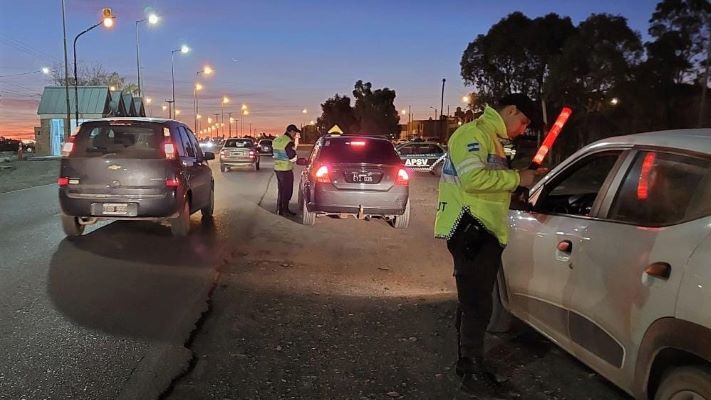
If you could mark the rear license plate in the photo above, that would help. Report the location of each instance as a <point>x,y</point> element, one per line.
<point>115,209</point>
<point>362,178</point>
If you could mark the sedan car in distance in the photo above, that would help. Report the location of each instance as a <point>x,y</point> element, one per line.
<point>238,152</point>
<point>134,169</point>
<point>265,147</point>
<point>422,156</point>
<point>358,176</point>
<point>610,258</point>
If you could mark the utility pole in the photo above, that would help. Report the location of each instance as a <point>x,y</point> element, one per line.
<point>705,83</point>
<point>66,77</point>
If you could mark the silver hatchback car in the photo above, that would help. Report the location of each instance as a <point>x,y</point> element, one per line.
<point>611,259</point>
<point>361,176</point>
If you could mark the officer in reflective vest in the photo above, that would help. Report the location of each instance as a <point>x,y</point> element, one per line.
<point>284,149</point>
<point>474,195</point>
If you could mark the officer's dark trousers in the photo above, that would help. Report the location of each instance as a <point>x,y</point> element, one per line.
<point>285,180</point>
<point>477,259</point>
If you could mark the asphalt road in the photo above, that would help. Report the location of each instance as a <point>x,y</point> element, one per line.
<point>252,306</point>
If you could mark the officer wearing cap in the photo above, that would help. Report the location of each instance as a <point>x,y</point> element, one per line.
<point>474,195</point>
<point>284,149</point>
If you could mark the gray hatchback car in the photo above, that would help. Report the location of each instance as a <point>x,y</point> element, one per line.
<point>361,176</point>
<point>134,169</point>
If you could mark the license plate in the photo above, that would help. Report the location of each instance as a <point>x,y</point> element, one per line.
<point>115,209</point>
<point>416,162</point>
<point>362,178</point>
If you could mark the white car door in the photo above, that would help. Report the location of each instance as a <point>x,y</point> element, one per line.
<point>628,271</point>
<point>543,243</point>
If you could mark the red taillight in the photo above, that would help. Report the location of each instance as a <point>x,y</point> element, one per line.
<point>322,175</point>
<point>172,183</point>
<point>169,150</point>
<point>63,181</point>
<point>67,149</point>
<point>402,177</point>
<point>643,184</point>
<point>251,154</point>
<point>358,143</point>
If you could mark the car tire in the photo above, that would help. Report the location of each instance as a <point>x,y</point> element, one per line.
<point>685,382</point>
<point>307,217</point>
<point>210,207</point>
<point>402,221</point>
<point>71,226</point>
<point>180,225</point>
<point>501,320</point>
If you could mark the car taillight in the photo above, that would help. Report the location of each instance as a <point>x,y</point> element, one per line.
<point>222,153</point>
<point>322,174</point>
<point>357,143</point>
<point>63,182</point>
<point>169,150</point>
<point>251,154</point>
<point>67,149</point>
<point>172,183</point>
<point>402,177</point>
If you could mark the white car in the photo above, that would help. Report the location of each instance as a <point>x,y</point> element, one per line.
<point>610,258</point>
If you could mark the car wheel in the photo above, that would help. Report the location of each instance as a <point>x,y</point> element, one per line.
<point>307,217</point>
<point>223,168</point>
<point>71,226</point>
<point>402,221</point>
<point>210,207</point>
<point>180,225</point>
<point>685,383</point>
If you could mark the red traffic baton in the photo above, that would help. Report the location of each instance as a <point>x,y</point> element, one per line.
<point>550,138</point>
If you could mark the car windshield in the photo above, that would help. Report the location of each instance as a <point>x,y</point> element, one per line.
<point>358,150</point>
<point>123,139</point>
<point>239,143</point>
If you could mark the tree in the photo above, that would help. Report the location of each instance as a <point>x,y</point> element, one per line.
<point>93,75</point>
<point>337,110</point>
<point>375,110</point>
<point>681,30</point>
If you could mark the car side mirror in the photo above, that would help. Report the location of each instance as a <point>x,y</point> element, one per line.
<point>519,200</point>
<point>209,155</point>
<point>302,161</point>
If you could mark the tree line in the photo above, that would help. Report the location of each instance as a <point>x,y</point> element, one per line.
<point>615,82</point>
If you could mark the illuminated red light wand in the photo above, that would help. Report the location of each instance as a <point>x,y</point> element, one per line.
<point>550,137</point>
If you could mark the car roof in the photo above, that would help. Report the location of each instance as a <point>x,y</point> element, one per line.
<point>138,119</point>
<point>351,137</point>
<point>696,140</point>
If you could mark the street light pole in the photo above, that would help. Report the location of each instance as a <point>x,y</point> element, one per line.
<point>183,49</point>
<point>138,58</point>
<point>66,75</point>
<point>217,123</point>
<point>76,82</point>
<point>229,120</point>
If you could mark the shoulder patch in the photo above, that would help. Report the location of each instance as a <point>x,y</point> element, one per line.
<point>474,146</point>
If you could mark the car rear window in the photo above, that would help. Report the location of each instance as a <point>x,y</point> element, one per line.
<point>359,150</point>
<point>124,139</point>
<point>239,143</point>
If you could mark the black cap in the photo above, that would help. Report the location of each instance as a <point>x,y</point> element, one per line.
<point>292,128</point>
<point>524,104</point>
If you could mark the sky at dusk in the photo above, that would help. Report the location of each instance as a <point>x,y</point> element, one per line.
<point>278,57</point>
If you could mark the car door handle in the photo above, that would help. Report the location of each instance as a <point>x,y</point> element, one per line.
<point>565,246</point>
<point>659,270</point>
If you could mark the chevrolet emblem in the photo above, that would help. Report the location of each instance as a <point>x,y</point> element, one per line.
<point>114,167</point>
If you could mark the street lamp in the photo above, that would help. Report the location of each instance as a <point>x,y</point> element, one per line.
<point>225,100</point>
<point>45,70</point>
<point>614,101</point>
<point>152,19</point>
<point>108,22</point>
<point>207,70</point>
<point>183,50</point>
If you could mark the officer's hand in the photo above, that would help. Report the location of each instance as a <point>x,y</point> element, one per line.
<point>528,177</point>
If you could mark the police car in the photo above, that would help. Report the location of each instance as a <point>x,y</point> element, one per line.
<point>422,156</point>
